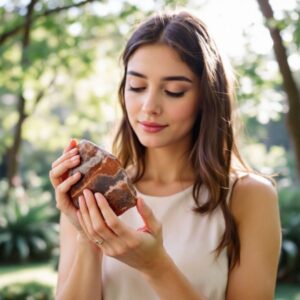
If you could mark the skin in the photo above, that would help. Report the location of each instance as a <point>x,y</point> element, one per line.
<point>154,103</point>
<point>254,201</point>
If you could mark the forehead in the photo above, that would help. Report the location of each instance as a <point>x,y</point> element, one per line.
<point>158,60</point>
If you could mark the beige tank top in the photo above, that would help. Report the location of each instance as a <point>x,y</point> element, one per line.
<point>189,238</point>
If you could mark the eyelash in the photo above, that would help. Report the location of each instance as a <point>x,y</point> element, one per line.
<point>175,95</point>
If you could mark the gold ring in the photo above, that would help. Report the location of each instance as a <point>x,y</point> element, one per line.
<point>99,242</point>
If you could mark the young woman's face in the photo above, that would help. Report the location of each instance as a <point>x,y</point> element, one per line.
<point>161,96</point>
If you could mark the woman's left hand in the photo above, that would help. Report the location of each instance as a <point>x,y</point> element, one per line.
<point>141,249</point>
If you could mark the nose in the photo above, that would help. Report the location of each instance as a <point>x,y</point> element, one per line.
<point>152,103</point>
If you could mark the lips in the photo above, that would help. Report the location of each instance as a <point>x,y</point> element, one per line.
<point>152,126</point>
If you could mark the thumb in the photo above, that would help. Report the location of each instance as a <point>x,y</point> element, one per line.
<point>151,223</point>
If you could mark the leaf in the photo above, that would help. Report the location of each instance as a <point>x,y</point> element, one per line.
<point>8,247</point>
<point>38,243</point>
<point>5,237</point>
<point>23,247</point>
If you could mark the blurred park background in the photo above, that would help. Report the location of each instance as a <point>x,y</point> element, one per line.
<point>59,74</point>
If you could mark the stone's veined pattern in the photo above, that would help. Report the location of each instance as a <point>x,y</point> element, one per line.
<point>102,172</point>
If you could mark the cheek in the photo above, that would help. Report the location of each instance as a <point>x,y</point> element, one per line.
<point>183,113</point>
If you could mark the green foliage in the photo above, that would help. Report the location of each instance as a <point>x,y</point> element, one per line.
<point>287,292</point>
<point>30,291</point>
<point>289,268</point>
<point>54,51</point>
<point>26,231</point>
<point>277,160</point>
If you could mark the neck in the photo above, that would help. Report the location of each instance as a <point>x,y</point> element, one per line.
<point>168,165</point>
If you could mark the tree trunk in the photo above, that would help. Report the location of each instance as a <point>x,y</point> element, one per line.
<point>15,30</point>
<point>14,150</point>
<point>289,84</point>
<point>12,153</point>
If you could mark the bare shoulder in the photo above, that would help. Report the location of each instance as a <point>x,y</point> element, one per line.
<point>253,193</point>
<point>255,184</point>
<point>254,205</point>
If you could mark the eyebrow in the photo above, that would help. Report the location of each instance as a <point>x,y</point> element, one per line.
<point>167,78</point>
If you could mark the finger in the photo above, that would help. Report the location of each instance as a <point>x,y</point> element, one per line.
<point>148,217</point>
<point>86,218</point>
<point>72,144</point>
<point>81,222</point>
<point>57,172</point>
<point>83,227</point>
<point>125,237</point>
<point>110,217</point>
<point>144,229</point>
<point>64,157</point>
<point>65,186</point>
<point>97,220</point>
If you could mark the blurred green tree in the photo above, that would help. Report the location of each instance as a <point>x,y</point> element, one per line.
<point>275,28</point>
<point>36,44</point>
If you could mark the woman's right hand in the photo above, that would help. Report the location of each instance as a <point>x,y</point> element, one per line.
<point>62,183</point>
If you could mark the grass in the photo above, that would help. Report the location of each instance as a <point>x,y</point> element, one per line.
<point>287,292</point>
<point>41,272</point>
<point>45,273</point>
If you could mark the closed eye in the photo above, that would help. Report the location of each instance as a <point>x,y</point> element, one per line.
<point>171,94</point>
<point>136,89</point>
<point>176,95</point>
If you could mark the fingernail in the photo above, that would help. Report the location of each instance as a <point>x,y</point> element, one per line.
<point>73,142</point>
<point>77,174</point>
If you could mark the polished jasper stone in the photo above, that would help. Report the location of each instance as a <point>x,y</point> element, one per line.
<point>102,172</point>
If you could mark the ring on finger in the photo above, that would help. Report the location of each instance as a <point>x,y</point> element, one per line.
<point>99,242</point>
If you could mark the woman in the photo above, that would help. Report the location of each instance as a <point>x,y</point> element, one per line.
<point>205,227</point>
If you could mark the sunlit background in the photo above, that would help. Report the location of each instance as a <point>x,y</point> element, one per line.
<point>67,73</point>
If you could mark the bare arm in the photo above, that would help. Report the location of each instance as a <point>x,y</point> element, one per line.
<point>79,273</point>
<point>255,207</point>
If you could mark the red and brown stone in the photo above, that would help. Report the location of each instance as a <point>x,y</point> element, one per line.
<point>102,172</point>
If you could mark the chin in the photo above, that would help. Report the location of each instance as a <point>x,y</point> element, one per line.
<point>150,142</point>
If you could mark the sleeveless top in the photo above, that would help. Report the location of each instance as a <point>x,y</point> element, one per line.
<point>189,238</point>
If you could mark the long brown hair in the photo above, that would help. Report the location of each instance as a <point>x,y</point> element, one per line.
<point>214,145</point>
